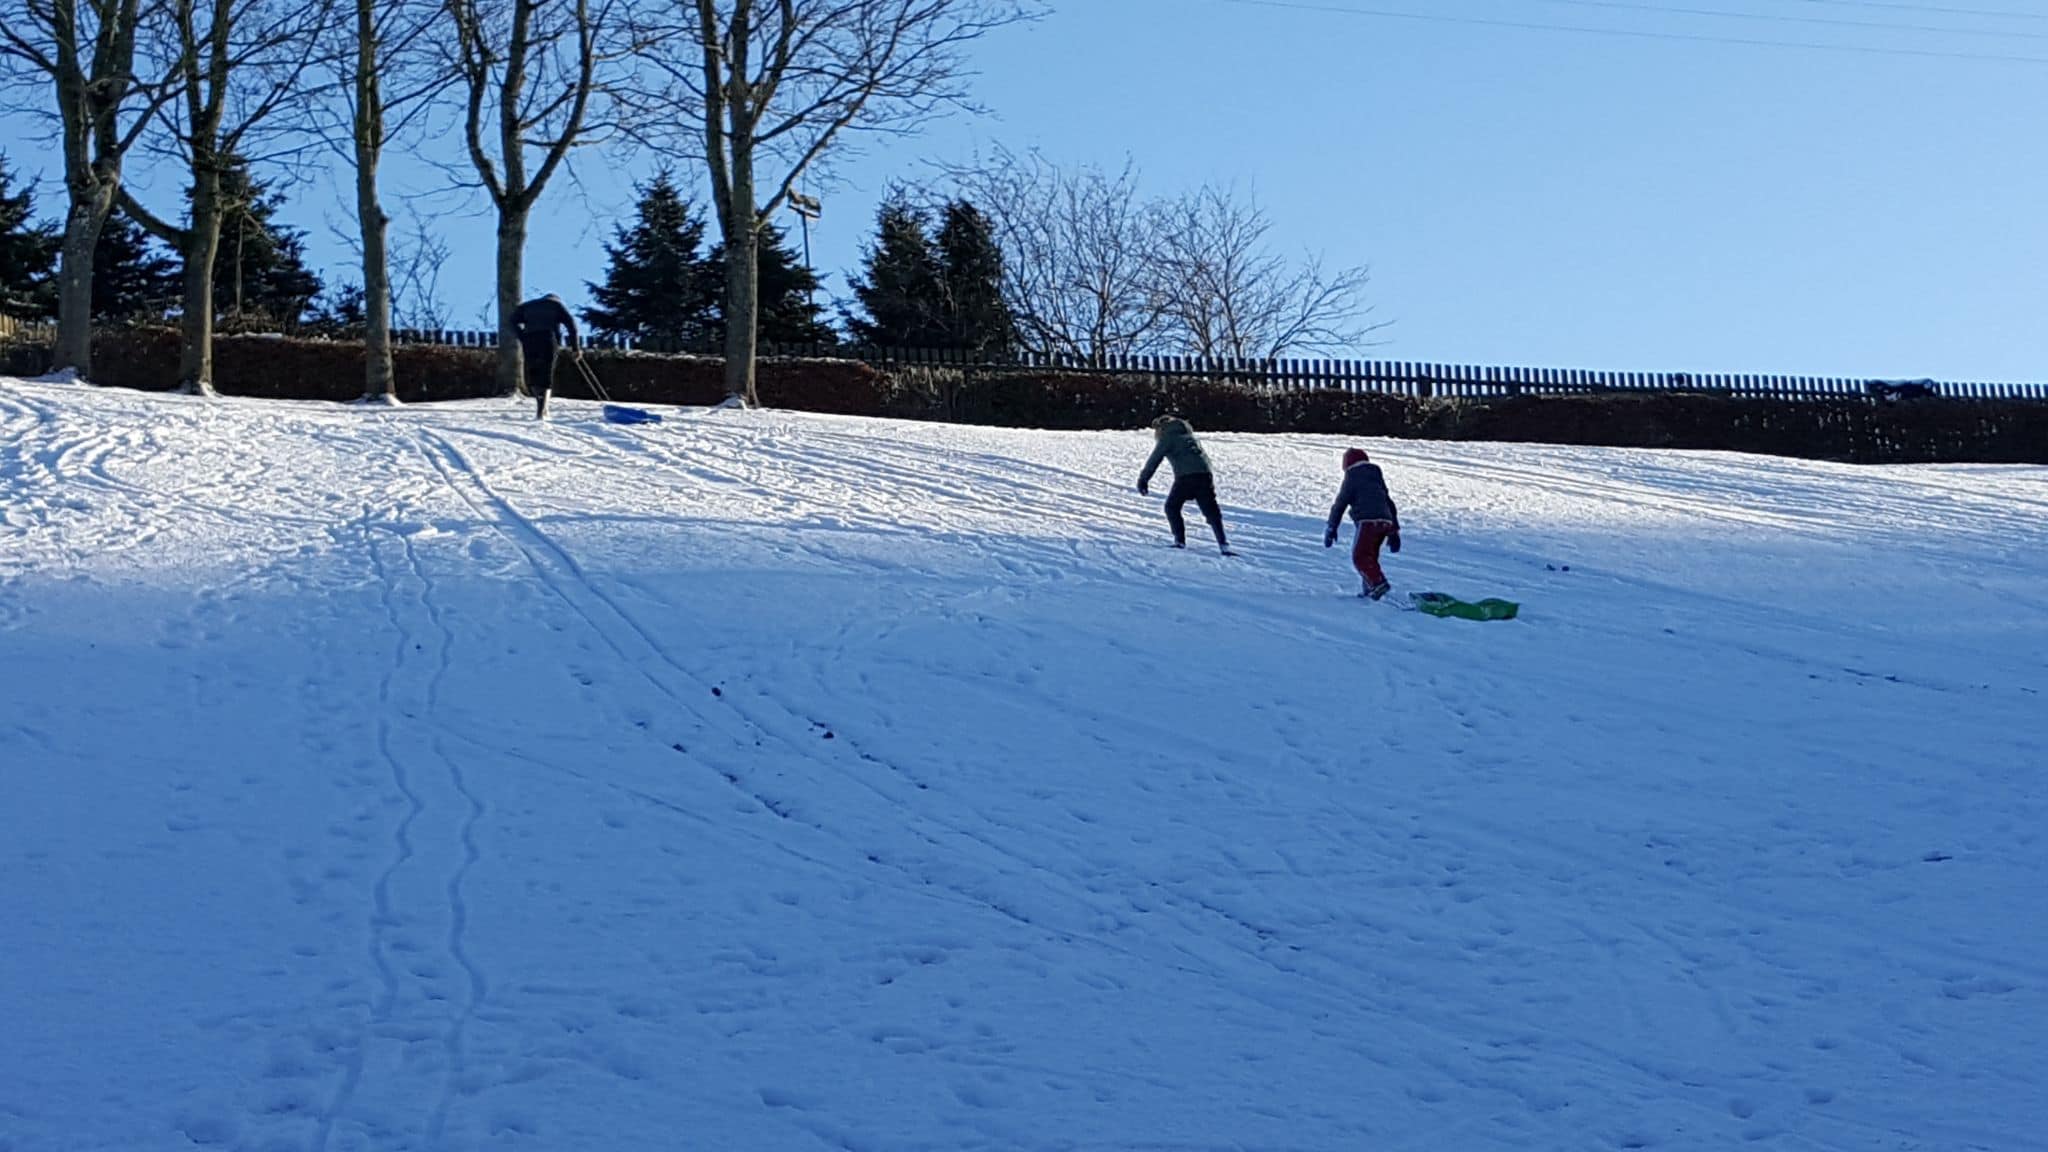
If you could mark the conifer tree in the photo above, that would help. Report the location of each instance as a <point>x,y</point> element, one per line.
<point>133,274</point>
<point>974,316</point>
<point>787,312</point>
<point>259,270</point>
<point>657,287</point>
<point>341,311</point>
<point>899,290</point>
<point>28,254</point>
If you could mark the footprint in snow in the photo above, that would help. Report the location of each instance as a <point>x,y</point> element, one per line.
<point>784,1098</point>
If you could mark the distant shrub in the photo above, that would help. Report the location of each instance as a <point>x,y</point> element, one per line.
<point>1848,428</point>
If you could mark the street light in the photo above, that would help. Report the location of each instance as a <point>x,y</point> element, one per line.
<point>807,209</point>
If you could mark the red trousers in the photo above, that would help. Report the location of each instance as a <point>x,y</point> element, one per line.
<point>1365,550</point>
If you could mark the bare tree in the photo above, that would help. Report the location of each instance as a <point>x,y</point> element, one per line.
<point>246,82</point>
<point>387,77</point>
<point>776,84</point>
<point>1227,294</point>
<point>1093,269</point>
<point>1078,253</point>
<point>416,280</point>
<point>530,73</point>
<point>86,52</point>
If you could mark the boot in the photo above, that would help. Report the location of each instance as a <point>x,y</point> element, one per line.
<point>1222,544</point>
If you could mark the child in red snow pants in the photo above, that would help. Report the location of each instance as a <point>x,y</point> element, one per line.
<point>1365,499</point>
<point>1365,550</point>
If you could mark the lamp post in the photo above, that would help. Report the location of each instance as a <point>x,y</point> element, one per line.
<point>807,209</point>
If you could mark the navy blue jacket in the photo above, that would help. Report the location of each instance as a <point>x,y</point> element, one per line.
<point>1364,495</point>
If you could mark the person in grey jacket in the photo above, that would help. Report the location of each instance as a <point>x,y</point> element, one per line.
<point>1175,443</point>
<point>1364,496</point>
<point>539,324</point>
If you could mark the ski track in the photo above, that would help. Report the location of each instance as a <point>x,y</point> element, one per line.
<point>457,782</point>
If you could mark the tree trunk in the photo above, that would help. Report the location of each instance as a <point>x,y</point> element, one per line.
<point>90,190</point>
<point>379,381</point>
<point>742,314</point>
<point>742,278</point>
<point>82,227</point>
<point>202,247</point>
<point>511,278</point>
<point>379,376</point>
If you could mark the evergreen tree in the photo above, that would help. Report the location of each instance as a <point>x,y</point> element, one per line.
<point>788,315</point>
<point>927,292</point>
<point>900,292</point>
<point>340,311</point>
<point>133,275</point>
<point>656,286</point>
<point>260,271</point>
<point>28,254</point>
<point>975,316</point>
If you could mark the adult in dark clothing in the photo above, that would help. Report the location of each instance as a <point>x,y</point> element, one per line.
<point>539,324</point>
<point>1364,496</point>
<point>1175,443</point>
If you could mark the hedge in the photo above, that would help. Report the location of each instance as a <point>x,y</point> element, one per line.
<point>275,368</point>
<point>1849,429</point>
<point>1852,429</point>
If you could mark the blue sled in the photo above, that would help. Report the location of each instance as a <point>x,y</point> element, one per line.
<point>614,414</point>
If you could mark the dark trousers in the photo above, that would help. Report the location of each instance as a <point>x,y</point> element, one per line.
<point>540,372</point>
<point>1202,490</point>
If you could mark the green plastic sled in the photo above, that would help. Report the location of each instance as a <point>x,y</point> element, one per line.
<point>1438,604</point>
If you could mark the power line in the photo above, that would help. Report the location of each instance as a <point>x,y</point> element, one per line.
<point>1636,34</point>
<point>1935,8</point>
<point>1827,21</point>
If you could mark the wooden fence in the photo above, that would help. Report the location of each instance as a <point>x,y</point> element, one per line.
<point>1398,377</point>
<point>13,331</point>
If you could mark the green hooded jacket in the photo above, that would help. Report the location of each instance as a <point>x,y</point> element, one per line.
<point>1177,446</point>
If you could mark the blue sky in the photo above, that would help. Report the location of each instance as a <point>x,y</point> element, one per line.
<point>1525,195</point>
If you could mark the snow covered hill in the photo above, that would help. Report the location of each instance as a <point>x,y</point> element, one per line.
<point>432,779</point>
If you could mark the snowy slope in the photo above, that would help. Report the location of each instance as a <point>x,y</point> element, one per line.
<point>430,779</point>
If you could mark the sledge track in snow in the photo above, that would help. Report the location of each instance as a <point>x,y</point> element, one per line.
<point>534,542</point>
<point>1327,983</point>
<point>546,556</point>
<point>1621,926</point>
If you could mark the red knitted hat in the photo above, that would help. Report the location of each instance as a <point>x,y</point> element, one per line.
<point>1354,456</point>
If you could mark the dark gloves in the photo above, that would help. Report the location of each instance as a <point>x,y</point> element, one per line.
<point>1329,537</point>
<point>1144,489</point>
<point>1394,541</point>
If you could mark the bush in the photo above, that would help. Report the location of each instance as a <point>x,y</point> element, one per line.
<point>1852,429</point>
<point>23,359</point>
<point>844,387</point>
<point>275,368</point>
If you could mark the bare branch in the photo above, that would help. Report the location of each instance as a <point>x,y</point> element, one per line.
<point>1093,269</point>
<point>81,58</point>
<point>1230,294</point>
<point>531,73</point>
<point>778,85</point>
<point>1077,253</point>
<point>416,278</point>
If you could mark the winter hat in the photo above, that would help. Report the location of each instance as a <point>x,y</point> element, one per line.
<point>1354,456</point>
